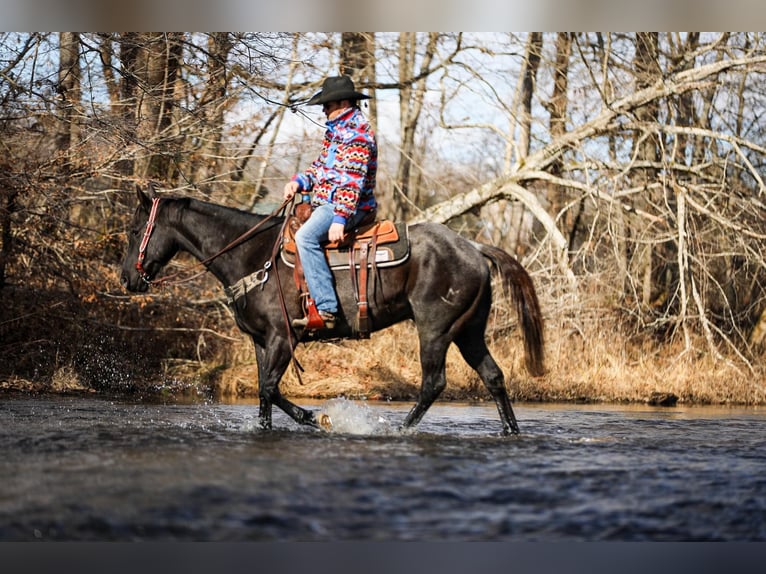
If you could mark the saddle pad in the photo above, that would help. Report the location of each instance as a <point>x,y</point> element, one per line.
<point>386,255</point>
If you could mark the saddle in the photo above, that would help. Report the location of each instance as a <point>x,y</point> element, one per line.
<point>371,245</point>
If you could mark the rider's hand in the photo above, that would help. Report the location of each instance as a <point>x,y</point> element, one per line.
<point>337,231</point>
<point>291,188</point>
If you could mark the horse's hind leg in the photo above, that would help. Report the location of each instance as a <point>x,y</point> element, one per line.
<point>477,355</point>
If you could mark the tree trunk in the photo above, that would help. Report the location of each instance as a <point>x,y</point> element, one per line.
<point>7,208</point>
<point>685,115</point>
<point>357,59</point>
<point>207,162</point>
<point>69,88</point>
<point>106,53</point>
<point>157,66</point>
<point>531,65</point>
<point>411,97</point>
<point>259,189</point>
<point>557,108</point>
<point>646,153</point>
<point>500,216</point>
<point>129,53</point>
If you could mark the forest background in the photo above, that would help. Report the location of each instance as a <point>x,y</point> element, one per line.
<point>624,171</point>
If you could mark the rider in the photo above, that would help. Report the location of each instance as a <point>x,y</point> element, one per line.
<point>343,181</point>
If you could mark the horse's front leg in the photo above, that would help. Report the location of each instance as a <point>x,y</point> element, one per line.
<point>273,359</point>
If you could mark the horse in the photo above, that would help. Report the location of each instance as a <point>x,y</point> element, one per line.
<point>444,286</point>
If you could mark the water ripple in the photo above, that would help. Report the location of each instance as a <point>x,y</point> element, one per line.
<point>93,469</point>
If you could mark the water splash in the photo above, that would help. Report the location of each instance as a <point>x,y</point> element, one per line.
<point>349,417</point>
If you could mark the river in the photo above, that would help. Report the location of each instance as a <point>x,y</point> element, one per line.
<point>106,469</point>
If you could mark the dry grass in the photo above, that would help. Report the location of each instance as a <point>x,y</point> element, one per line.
<point>593,365</point>
<point>592,355</point>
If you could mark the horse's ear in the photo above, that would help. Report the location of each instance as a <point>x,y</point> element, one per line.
<point>144,199</point>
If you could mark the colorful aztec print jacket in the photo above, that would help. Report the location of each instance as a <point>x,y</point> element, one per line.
<point>344,173</point>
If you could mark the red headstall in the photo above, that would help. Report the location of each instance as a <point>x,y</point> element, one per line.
<point>145,240</point>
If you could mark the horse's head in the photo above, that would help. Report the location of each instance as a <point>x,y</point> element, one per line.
<point>150,243</point>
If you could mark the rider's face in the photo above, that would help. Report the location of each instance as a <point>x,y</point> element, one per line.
<point>333,109</point>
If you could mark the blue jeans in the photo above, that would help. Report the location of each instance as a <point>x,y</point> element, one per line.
<point>308,240</point>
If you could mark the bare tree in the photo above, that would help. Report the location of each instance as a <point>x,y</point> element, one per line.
<point>646,156</point>
<point>205,163</point>
<point>556,107</point>
<point>411,97</point>
<point>357,59</point>
<point>639,156</point>
<point>69,87</point>
<point>634,189</point>
<point>529,79</point>
<point>157,67</point>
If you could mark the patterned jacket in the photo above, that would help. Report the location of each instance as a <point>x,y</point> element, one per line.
<point>344,173</point>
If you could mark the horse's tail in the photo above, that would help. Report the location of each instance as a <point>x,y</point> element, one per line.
<point>520,283</point>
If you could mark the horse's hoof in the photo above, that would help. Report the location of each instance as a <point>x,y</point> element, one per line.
<point>324,421</point>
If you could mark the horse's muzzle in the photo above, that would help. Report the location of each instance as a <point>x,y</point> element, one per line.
<point>133,283</point>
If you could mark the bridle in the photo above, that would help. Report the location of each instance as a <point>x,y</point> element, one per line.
<point>150,223</point>
<point>145,241</point>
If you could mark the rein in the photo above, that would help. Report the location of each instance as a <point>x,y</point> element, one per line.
<point>261,275</point>
<point>173,278</point>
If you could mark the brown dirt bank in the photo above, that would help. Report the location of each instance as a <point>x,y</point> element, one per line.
<point>144,346</point>
<point>387,367</point>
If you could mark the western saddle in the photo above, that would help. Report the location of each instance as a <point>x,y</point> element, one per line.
<point>354,252</point>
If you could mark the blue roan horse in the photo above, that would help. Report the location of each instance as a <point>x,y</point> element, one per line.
<point>444,286</point>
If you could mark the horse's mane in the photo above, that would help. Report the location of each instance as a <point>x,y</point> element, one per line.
<point>234,217</point>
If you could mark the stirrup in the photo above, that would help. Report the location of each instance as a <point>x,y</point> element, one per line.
<point>322,320</point>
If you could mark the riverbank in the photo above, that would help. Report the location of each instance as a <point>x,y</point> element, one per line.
<point>606,370</point>
<point>386,367</point>
<point>142,346</point>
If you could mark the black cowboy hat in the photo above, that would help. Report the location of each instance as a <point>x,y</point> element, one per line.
<point>335,89</point>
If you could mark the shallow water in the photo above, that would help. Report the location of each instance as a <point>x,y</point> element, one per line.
<point>82,468</point>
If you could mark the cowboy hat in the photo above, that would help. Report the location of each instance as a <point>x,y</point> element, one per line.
<point>335,89</point>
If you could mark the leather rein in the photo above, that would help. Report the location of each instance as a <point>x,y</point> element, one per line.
<point>174,277</point>
<point>150,223</point>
